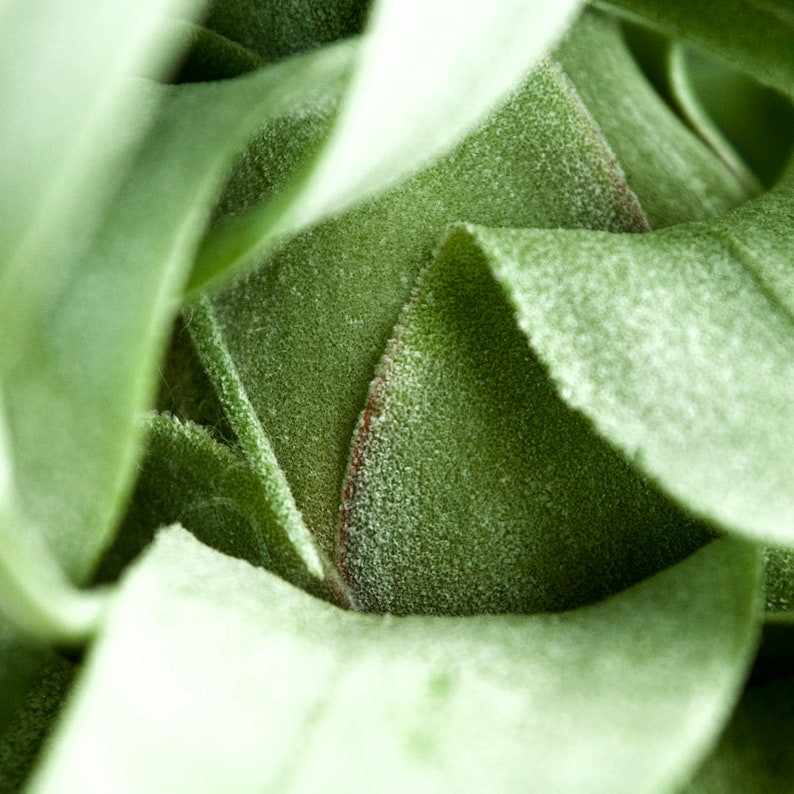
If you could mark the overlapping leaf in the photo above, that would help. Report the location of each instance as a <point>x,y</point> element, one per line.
<point>673,174</point>
<point>679,346</point>
<point>755,35</point>
<point>85,373</point>
<point>453,67</point>
<point>472,487</point>
<point>287,693</point>
<point>306,331</point>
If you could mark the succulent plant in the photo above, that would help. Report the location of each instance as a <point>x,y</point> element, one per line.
<point>396,396</point>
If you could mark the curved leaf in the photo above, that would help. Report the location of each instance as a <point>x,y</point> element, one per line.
<point>426,75</point>
<point>71,125</point>
<point>472,487</point>
<point>674,175</point>
<point>679,345</point>
<point>755,35</point>
<point>188,477</point>
<point>537,161</point>
<point>754,754</point>
<point>259,687</point>
<point>85,374</point>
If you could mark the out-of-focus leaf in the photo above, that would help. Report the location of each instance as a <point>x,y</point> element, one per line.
<point>674,175</point>
<point>453,67</point>
<point>189,478</point>
<point>679,345</point>
<point>84,375</point>
<point>775,658</point>
<point>754,755</point>
<point>259,687</point>
<point>473,488</point>
<point>208,55</point>
<point>538,161</point>
<point>754,35</point>
<point>71,121</point>
<point>682,71</point>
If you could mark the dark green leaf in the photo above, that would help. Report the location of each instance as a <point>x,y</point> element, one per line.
<point>755,35</point>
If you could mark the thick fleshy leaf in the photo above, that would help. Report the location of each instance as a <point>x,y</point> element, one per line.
<point>673,174</point>
<point>473,488</point>
<point>306,330</point>
<point>259,687</point>
<point>755,35</point>
<point>679,345</point>
<point>754,755</point>
<point>82,379</point>
<point>427,73</point>
<point>189,478</point>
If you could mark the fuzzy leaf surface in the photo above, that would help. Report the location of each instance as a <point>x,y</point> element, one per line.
<point>85,374</point>
<point>673,174</point>
<point>755,35</point>
<point>455,65</point>
<point>473,488</point>
<point>312,698</point>
<point>679,346</point>
<point>537,161</point>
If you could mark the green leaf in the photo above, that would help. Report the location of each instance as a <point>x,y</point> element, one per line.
<point>673,174</point>
<point>473,488</point>
<point>83,377</point>
<point>208,55</point>
<point>537,161</point>
<point>743,121</point>
<point>679,346</point>
<point>22,740</point>
<point>683,70</point>
<point>71,127</point>
<point>257,687</point>
<point>275,29</point>
<point>754,35</point>
<point>453,68</point>
<point>188,477</point>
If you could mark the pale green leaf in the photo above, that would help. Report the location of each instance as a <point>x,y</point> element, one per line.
<point>215,676</point>
<point>673,174</point>
<point>755,35</point>
<point>307,329</point>
<point>473,488</point>
<point>679,345</point>
<point>454,65</point>
<point>72,119</point>
<point>84,376</point>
